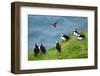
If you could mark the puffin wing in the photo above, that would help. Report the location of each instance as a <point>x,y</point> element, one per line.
<point>54,25</point>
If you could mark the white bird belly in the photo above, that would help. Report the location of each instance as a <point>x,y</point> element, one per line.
<point>63,38</point>
<point>79,38</point>
<point>76,34</point>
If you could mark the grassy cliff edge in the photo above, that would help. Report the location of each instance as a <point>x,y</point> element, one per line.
<point>72,49</point>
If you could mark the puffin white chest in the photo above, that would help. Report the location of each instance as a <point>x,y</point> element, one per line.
<point>76,34</point>
<point>63,38</point>
<point>79,38</point>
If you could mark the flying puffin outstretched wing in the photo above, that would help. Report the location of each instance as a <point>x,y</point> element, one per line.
<point>54,25</point>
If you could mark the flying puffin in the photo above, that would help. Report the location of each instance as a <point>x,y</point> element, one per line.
<point>54,25</point>
<point>64,37</point>
<point>36,50</point>
<point>58,46</point>
<point>42,48</point>
<point>76,32</point>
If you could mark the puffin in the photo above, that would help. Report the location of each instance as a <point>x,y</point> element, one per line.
<point>58,46</point>
<point>81,37</point>
<point>54,25</point>
<point>36,50</point>
<point>42,48</point>
<point>64,37</point>
<point>76,32</point>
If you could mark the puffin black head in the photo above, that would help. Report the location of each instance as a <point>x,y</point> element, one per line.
<point>57,42</point>
<point>36,45</point>
<point>75,30</point>
<point>61,34</point>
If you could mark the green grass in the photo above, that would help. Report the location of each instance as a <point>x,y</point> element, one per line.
<point>71,49</point>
